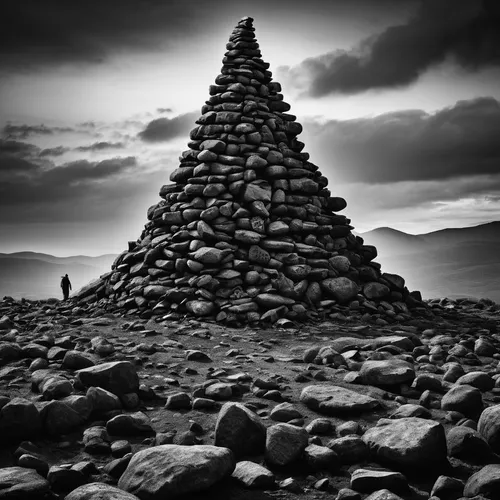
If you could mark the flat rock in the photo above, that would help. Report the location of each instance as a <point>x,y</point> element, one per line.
<point>369,480</point>
<point>253,475</point>
<point>408,442</point>
<point>170,470</point>
<point>18,483</point>
<point>335,400</point>
<point>387,372</point>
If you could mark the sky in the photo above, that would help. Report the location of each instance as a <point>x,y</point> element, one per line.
<point>399,100</point>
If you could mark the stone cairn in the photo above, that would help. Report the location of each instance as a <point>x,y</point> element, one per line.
<point>248,231</point>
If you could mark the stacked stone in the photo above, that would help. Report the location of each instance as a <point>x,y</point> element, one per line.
<point>248,230</point>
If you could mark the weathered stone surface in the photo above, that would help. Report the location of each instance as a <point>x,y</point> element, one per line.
<point>408,442</point>
<point>99,491</point>
<point>341,289</point>
<point>464,399</point>
<point>240,430</point>
<point>484,482</point>
<point>253,475</point>
<point>19,419</point>
<point>20,483</point>
<point>118,377</point>
<point>369,480</point>
<point>489,427</point>
<point>387,372</point>
<point>172,470</point>
<point>335,400</point>
<point>284,444</point>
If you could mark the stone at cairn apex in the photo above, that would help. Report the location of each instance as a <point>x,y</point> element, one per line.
<point>248,231</point>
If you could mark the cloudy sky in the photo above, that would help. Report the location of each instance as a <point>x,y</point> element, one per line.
<point>399,99</point>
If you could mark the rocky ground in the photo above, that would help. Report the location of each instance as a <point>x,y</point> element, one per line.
<point>101,406</point>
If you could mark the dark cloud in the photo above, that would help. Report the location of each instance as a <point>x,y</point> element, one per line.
<point>24,181</point>
<point>164,110</point>
<point>100,146</point>
<point>467,32</point>
<point>57,151</point>
<point>459,141</point>
<point>36,33</point>
<point>164,129</point>
<point>12,147</point>
<point>24,131</point>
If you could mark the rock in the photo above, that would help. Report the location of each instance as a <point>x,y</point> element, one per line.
<point>178,401</point>
<point>411,410</point>
<point>447,487</point>
<point>219,391</point>
<point>334,400</point>
<point>467,444</point>
<point>96,440</point>
<point>387,372</point>
<point>484,482</point>
<point>284,444</point>
<point>20,483</point>
<point>172,470</point>
<point>480,380</point>
<point>55,388</point>
<point>320,457</point>
<point>349,449</point>
<point>129,424</point>
<point>341,289</point>
<point>240,430</point>
<point>19,419</point>
<point>489,427</point>
<point>118,377</point>
<point>284,412</point>
<point>383,495</point>
<point>319,426</point>
<point>464,399</point>
<point>102,400</point>
<point>200,307</point>
<point>64,479</point>
<point>59,418</point>
<point>369,480</point>
<point>408,442</point>
<point>75,360</point>
<point>99,491</point>
<point>253,475</point>
<point>375,291</point>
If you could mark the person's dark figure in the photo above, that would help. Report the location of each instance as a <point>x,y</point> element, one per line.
<point>66,286</point>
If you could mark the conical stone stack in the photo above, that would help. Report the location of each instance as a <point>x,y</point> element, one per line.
<point>248,230</point>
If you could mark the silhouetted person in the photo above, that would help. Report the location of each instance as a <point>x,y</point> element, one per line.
<point>66,286</point>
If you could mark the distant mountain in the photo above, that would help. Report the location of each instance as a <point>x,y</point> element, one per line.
<point>38,276</point>
<point>450,262</point>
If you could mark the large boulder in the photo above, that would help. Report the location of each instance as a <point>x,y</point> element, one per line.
<point>118,377</point>
<point>485,482</point>
<point>335,400</point>
<point>19,419</point>
<point>18,483</point>
<point>408,442</point>
<point>170,470</point>
<point>341,289</point>
<point>489,427</point>
<point>240,430</point>
<point>285,444</point>
<point>464,399</point>
<point>99,491</point>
